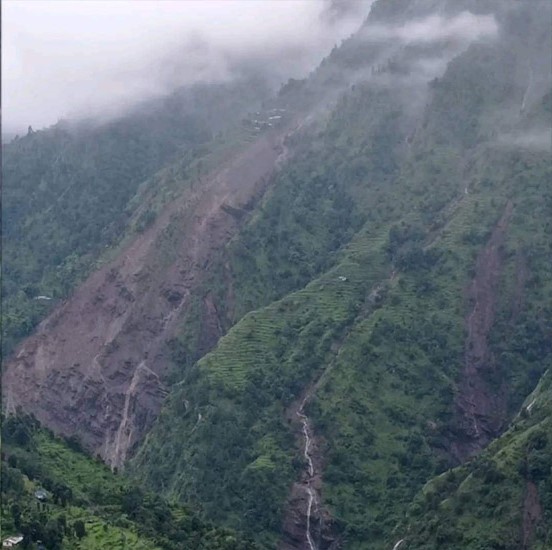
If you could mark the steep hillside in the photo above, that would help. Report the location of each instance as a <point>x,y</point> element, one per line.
<point>396,362</point>
<point>320,325</point>
<point>501,499</point>
<point>76,189</point>
<point>105,349</point>
<point>84,505</point>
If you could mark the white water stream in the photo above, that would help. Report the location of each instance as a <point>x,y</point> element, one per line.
<point>310,491</point>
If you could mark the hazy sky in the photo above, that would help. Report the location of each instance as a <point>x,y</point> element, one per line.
<point>464,27</point>
<point>83,57</point>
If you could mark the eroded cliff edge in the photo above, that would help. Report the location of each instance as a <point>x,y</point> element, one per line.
<point>95,367</point>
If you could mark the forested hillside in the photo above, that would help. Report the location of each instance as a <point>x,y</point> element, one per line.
<point>83,504</point>
<point>485,502</point>
<point>325,323</point>
<point>422,324</point>
<point>73,191</point>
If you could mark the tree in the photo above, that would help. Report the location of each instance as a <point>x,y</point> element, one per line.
<point>62,521</point>
<point>53,535</point>
<point>80,529</point>
<point>16,515</point>
<point>132,500</point>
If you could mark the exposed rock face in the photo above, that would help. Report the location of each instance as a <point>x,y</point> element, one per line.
<point>95,366</point>
<point>307,522</point>
<point>321,525</point>
<point>481,408</point>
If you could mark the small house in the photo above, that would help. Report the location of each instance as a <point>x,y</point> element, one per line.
<point>41,495</point>
<point>12,541</point>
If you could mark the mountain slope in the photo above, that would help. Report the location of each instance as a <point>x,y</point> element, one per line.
<point>340,307</point>
<point>433,286</point>
<point>105,347</point>
<point>76,189</point>
<point>510,483</point>
<point>87,506</point>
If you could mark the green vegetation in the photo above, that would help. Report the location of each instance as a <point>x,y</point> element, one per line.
<point>319,201</point>
<point>265,361</point>
<point>65,200</point>
<point>488,502</point>
<point>386,409</point>
<point>85,504</point>
<point>71,194</point>
<point>349,285</point>
<point>403,224</point>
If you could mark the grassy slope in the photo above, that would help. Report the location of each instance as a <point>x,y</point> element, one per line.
<point>116,514</point>
<point>286,339</point>
<point>313,207</point>
<point>394,380</point>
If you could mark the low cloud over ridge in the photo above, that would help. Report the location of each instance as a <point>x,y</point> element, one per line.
<point>464,27</point>
<point>73,58</point>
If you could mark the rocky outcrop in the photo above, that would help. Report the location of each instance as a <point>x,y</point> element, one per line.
<point>95,366</point>
<point>307,522</point>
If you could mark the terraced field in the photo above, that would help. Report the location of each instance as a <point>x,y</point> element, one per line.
<point>331,300</point>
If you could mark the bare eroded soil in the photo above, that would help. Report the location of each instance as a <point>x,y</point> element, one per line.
<point>95,367</point>
<point>481,408</point>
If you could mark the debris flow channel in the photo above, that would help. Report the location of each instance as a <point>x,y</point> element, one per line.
<point>308,487</point>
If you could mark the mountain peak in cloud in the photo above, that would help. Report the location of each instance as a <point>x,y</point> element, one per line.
<point>77,58</point>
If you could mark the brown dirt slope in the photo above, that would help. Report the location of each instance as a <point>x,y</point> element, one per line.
<point>95,367</point>
<point>480,408</point>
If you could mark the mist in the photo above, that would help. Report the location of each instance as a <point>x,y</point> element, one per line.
<point>538,140</point>
<point>412,54</point>
<point>464,27</point>
<point>71,59</point>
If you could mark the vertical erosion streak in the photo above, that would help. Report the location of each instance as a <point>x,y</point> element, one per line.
<point>479,406</point>
<point>526,93</point>
<point>309,489</point>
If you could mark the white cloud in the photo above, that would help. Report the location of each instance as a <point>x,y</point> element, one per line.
<point>463,27</point>
<point>63,57</point>
<point>538,140</point>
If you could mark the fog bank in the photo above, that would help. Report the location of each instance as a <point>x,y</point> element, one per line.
<point>77,58</point>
